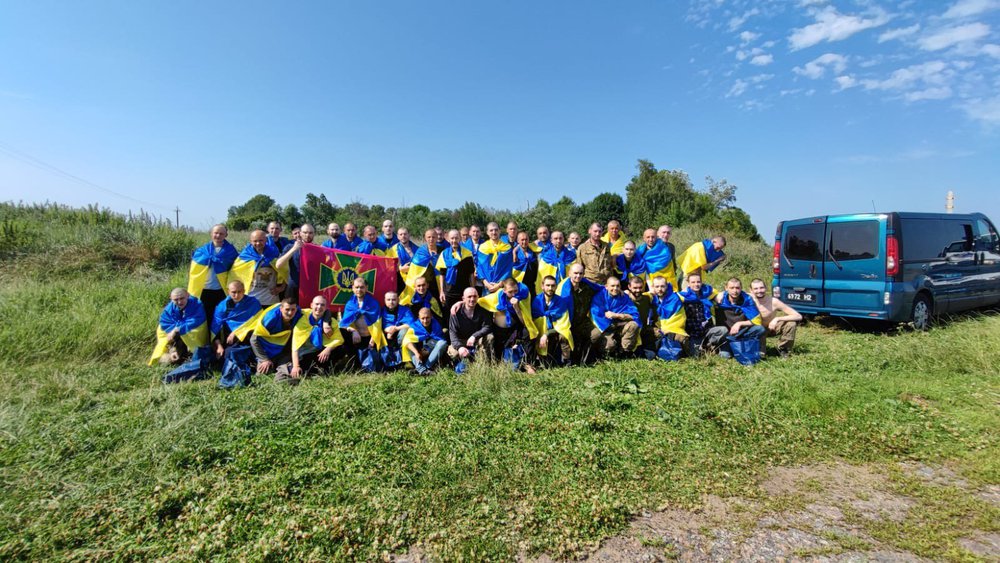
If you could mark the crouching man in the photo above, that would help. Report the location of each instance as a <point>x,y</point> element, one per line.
<point>783,325</point>
<point>424,343</point>
<point>736,316</point>
<point>470,330</point>
<point>615,318</point>
<point>272,336</point>
<point>182,329</point>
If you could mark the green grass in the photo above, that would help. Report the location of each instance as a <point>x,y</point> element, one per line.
<point>98,459</point>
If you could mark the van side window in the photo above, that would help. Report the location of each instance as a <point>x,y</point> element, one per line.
<point>927,239</point>
<point>987,241</point>
<point>804,242</point>
<point>856,240</point>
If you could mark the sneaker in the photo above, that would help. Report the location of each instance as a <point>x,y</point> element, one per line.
<point>785,354</point>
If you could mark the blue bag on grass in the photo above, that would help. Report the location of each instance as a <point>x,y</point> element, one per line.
<point>236,367</point>
<point>513,356</point>
<point>370,360</point>
<point>669,349</point>
<point>392,357</point>
<point>745,350</point>
<point>192,370</point>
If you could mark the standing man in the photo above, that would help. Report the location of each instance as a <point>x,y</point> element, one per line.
<point>474,240</point>
<point>574,240</point>
<point>292,258</point>
<point>595,256</point>
<point>421,266</point>
<point>629,265</point>
<point>542,237</point>
<point>209,271</point>
<point>525,268</point>
<point>274,237</point>
<point>494,260</point>
<point>257,268</point>
<point>510,237</point>
<point>648,240</point>
<point>332,231</point>
<point>614,237</point>
<point>370,243</point>
<point>660,256</point>
<point>455,270</point>
<point>579,295</point>
<point>349,241</point>
<point>388,236</point>
<point>783,326</point>
<point>554,260</point>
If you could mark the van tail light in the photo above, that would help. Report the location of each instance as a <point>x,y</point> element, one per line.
<point>891,256</point>
<point>776,264</point>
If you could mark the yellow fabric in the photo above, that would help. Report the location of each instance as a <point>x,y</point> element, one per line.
<point>491,301</point>
<point>243,270</point>
<point>618,247</point>
<point>198,276</point>
<point>562,326</point>
<point>693,258</point>
<point>302,330</point>
<point>193,340</point>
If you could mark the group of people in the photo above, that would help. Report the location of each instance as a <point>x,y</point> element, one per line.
<point>556,300</point>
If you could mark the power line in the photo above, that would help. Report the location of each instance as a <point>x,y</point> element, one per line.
<point>42,165</point>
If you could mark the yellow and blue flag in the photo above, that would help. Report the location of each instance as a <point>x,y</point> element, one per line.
<point>423,261</point>
<point>552,315</point>
<point>494,261</point>
<point>706,297</point>
<point>498,302</point>
<point>746,306</point>
<point>660,262</point>
<point>670,312</point>
<point>699,255</point>
<point>402,252</point>
<point>269,328</point>
<point>206,261</point>
<point>619,245</point>
<point>635,268</point>
<point>309,329</point>
<point>375,249</point>
<point>418,334</point>
<point>250,260</point>
<point>555,263</point>
<point>190,323</point>
<point>523,259</point>
<point>472,244</point>
<point>604,302</point>
<point>370,311</point>
<point>448,262</point>
<point>241,312</point>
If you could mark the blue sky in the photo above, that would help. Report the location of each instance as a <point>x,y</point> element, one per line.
<point>810,107</point>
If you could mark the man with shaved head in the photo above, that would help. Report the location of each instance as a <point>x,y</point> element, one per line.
<point>455,271</point>
<point>257,268</point>
<point>182,328</point>
<point>332,231</point>
<point>292,257</point>
<point>470,328</point>
<point>388,236</point>
<point>595,256</point>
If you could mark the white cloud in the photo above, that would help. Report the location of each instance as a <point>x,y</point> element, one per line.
<point>992,50</point>
<point>987,110</point>
<point>739,87</point>
<point>746,54</point>
<point>898,32</point>
<point>747,36</point>
<point>846,81</point>
<point>817,67</point>
<point>933,73</point>
<point>737,21</point>
<point>966,8</point>
<point>762,60</point>
<point>933,93</point>
<point>954,36</point>
<point>833,26</point>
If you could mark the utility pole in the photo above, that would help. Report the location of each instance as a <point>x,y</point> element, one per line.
<point>177,217</point>
<point>949,202</point>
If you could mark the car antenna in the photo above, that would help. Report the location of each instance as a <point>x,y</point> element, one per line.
<point>873,207</point>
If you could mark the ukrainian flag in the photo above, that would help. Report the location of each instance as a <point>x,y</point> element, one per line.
<point>523,259</point>
<point>660,262</point>
<point>448,262</point>
<point>494,261</point>
<point>699,255</point>
<point>269,329</point>
<point>376,249</point>
<point>370,311</point>
<point>422,261</point>
<point>250,260</point>
<point>604,302</point>
<point>636,269</point>
<point>418,334</point>
<point>400,252</point>
<point>748,307</point>
<point>670,312</point>
<point>206,260</point>
<point>190,322</point>
<point>553,315</point>
<point>242,313</point>
<point>618,247</point>
<point>706,296</point>
<point>308,329</point>
<point>554,263</point>
<point>426,300</point>
<point>498,302</point>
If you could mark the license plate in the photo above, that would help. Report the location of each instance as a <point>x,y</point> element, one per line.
<point>803,297</point>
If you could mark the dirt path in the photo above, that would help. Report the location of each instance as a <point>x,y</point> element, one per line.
<point>819,512</point>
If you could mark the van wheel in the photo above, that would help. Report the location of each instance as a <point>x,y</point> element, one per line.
<point>922,312</point>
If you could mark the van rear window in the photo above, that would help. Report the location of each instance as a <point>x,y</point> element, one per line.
<point>856,240</point>
<point>804,242</point>
<point>926,239</point>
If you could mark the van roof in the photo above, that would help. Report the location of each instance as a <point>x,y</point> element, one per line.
<point>900,214</point>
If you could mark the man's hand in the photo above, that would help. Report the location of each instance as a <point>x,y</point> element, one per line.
<point>738,326</point>
<point>277,289</point>
<point>390,330</point>
<point>463,352</point>
<point>543,341</point>
<point>610,316</point>
<point>173,334</point>
<point>296,372</point>
<point>773,325</point>
<point>355,336</point>
<point>442,299</point>
<point>327,329</point>
<point>265,366</point>
<point>231,339</point>
<point>471,342</point>
<point>324,355</point>
<point>514,300</point>
<point>219,350</point>
<point>456,307</point>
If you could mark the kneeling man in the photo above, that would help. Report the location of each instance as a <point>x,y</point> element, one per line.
<point>182,328</point>
<point>782,325</point>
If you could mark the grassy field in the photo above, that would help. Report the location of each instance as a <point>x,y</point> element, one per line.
<point>99,460</point>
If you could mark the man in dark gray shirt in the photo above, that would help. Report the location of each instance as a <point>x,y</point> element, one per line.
<point>470,328</point>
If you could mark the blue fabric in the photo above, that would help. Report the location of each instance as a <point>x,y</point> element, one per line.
<point>235,317</point>
<point>635,268</point>
<point>185,320</point>
<point>192,370</point>
<point>669,349</point>
<point>604,302</point>
<point>703,296</point>
<point>402,316</point>
<point>249,254</point>
<point>388,243</point>
<point>405,252</point>
<point>472,245</point>
<point>748,307</point>
<point>221,261</point>
<point>370,360</point>
<point>504,306</point>
<point>451,265</point>
<point>513,357</point>
<point>236,367</point>
<point>424,334</point>
<point>366,247</point>
<point>746,350</point>
<point>392,357</point>
<point>369,309</point>
<point>711,254</point>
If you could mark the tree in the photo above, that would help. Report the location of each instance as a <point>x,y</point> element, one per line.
<point>723,193</point>
<point>291,215</point>
<point>603,208</point>
<point>472,214</point>
<point>665,197</point>
<point>319,211</point>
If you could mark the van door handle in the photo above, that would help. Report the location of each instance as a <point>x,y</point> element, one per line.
<point>812,270</point>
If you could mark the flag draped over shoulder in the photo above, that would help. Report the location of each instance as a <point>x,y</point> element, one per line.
<point>555,263</point>
<point>269,328</point>
<point>205,261</point>
<point>699,255</point>
<point>423,261</point>
<point>250,260</point>
<point>498,302</point>
<point>418,334</point>
<point>242,312</point>
<point>552,315</point>
<point>331,273</point>
<point>604,302</point>
<point>619,245</point>
<point>448,262</point>
<point>309,329</point>
<point>670,312</point>
<point>401,252</point>
<point>377,248</point>
<point>748,307</point>
<point>706,296</point>
<point>494,261</point>
<point>472,245</point>
<point>370,311</point>
<point>637,268</point>
<point>523,260</point>
<point>660,262</point>
<point>426,300</point>
<point>402,316</point>
<point>190,323</point>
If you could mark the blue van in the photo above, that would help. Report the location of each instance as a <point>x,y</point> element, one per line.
<point>897,267</point>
